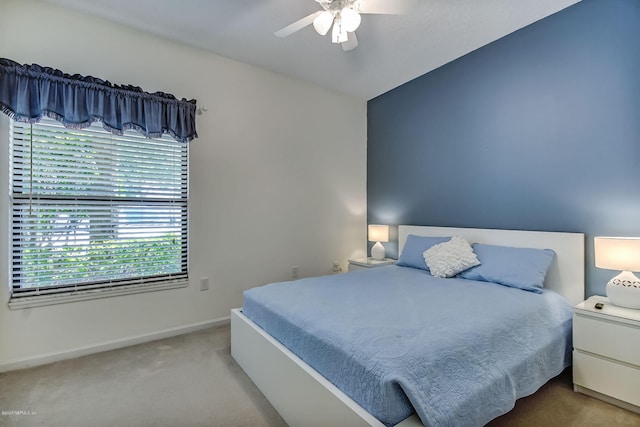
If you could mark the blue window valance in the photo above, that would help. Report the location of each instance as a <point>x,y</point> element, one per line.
<point>29,92</point>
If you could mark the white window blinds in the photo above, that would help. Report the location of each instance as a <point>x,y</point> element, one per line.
<point>95,211</point>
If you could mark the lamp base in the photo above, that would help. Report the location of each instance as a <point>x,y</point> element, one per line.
<point>377,251</point>
<point>624,290</point>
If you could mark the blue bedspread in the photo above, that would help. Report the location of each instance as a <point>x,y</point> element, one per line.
<point>396,339</point>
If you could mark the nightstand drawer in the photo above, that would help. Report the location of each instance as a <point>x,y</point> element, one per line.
<point>614,340</point>
<point>354,267</point>
<point>615,380</point>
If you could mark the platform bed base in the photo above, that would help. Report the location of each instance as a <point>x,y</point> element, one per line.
<point>300,394</point>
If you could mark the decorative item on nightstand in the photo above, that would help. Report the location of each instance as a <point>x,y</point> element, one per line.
<point>378,233</point>
<point>620,253</point>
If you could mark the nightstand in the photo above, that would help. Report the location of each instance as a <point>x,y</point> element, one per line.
<point>365,263</point>
<point>606,352</point>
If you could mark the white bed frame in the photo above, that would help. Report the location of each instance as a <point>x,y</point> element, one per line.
<point>305,398</point>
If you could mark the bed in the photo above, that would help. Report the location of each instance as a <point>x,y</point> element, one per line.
<point>304,397</point>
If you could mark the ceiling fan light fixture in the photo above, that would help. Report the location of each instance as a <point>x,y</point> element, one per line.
<point>323,22</point>
<point>339,33</point>
<point>350,19</point>
<point>344,16</point>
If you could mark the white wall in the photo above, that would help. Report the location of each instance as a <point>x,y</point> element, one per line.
<point>278,179</point>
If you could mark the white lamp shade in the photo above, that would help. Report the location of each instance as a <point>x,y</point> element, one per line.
<point>350,19</point>
<point>378,233</point>
<point>323,22</point>
<point>617,253</point>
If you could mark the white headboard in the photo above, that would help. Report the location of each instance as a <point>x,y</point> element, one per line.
<point>566,275</point>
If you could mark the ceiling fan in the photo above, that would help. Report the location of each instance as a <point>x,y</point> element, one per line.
<point>344,16</point>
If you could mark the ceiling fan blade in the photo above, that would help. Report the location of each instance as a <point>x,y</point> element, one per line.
<point>351,43</point>
<point>298,25</point>
<point>388,7</point>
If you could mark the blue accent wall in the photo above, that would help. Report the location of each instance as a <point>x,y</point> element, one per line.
<point>539,130</point>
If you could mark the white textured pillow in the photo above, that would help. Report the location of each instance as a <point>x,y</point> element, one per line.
<point>450,258</point>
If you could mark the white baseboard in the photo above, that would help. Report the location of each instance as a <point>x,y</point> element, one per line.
<point>29,362</point>
<point>612,400</point>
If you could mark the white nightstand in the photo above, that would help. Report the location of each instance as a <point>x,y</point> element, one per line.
<point>606,352</point>
<point>364,263</point>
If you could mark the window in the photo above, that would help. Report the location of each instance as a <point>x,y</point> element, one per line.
<point>95,212</point>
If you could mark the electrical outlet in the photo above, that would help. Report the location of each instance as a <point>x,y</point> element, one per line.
<point>336,267</point>
<point>295,272</point>
<point>204,283</point>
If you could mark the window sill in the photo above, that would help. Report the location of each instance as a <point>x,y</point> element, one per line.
<point>52,299</point>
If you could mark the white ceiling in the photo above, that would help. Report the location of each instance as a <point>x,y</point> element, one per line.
<point>393,49</point>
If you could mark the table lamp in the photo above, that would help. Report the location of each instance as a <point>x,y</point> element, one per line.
<point>620,253</point>
<point>378,233</point>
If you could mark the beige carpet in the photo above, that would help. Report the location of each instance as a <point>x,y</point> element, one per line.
<point>191,380</point>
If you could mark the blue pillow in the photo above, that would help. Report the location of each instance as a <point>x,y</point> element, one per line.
<point>522,268</point>
<point>414,246</point>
